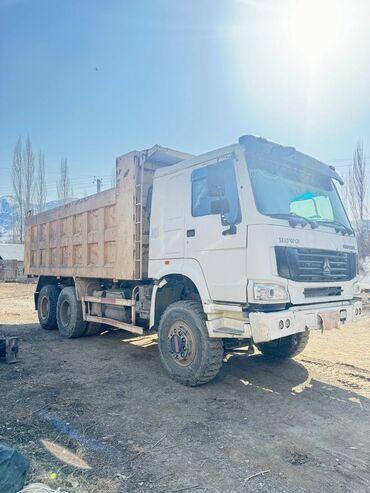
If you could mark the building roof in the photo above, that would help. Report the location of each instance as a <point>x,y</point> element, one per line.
<point>11,251</point>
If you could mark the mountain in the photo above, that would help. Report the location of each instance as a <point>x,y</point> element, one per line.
<point>7,206</point>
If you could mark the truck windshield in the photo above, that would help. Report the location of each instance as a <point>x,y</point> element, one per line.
<point>281,190</point>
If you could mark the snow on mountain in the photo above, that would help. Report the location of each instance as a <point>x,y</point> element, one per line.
<point>7,204</point>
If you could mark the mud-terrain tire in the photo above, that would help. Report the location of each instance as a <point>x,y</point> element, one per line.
<point>69,314</point>
<point>47,306</point>
<point>285,347</point>
<point>187,353</point>
<point>93,329</point>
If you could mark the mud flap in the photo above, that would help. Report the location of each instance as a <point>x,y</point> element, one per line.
<point>329,320</point>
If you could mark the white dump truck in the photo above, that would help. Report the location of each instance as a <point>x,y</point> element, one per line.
<point>248,245</point>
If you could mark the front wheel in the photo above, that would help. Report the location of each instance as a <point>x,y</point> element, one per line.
<point>285,347</point>
<point>187,353</point>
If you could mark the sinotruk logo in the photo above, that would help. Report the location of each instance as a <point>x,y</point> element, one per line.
<point>326,269</point>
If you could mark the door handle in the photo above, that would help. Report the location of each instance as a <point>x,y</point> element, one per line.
<point>190,233</point>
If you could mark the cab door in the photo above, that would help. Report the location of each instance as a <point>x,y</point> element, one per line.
<point>216,230</point>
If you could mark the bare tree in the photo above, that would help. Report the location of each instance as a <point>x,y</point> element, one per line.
<point>29,175</point>
<point>15,226</point>
<point>17,182</point>
<point>64,183</point>
<point>357,198</point>
<point>40,188</point>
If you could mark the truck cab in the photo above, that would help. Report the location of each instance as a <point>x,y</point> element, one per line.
<point>261,231</point>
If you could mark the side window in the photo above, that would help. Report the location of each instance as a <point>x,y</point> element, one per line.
<point>201,200</point>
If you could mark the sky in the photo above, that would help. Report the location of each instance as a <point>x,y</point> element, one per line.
<point>89,80</point>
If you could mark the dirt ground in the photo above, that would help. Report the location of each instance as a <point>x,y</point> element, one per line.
<point>100,415</point>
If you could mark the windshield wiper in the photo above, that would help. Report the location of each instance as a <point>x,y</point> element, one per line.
<point>295,219</point>
<point>339,227</point>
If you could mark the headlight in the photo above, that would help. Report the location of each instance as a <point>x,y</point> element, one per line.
<point>269,292</point>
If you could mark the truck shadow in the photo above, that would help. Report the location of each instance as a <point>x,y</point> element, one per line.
<point>270,374</point>
<point>240,372</point>
<point>254,370</point>
<point>295,379</point>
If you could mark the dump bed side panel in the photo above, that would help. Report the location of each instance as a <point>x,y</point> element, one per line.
<point>78,239</point>
<point>92,237</point>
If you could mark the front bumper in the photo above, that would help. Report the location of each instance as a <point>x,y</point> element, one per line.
<point>265,327</point>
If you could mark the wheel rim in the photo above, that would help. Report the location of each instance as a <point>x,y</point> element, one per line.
<point>65,312</point>
<point>181,343</point>
<point>44,307</point>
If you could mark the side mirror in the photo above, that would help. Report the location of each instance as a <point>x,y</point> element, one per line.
<point>215,181</point>
<point>220,206</point>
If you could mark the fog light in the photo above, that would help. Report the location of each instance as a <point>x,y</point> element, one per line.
<point>287,323</point>
<point>281,324</point>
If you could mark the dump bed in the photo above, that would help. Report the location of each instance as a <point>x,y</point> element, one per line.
<point>105,235</point>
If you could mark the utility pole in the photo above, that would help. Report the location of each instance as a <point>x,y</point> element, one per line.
<point>99,183</point>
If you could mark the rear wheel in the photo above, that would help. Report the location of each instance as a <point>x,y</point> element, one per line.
<point>47,306</point>
<point>285,347</point>
<point>69,314</point>
<point>188,354</point>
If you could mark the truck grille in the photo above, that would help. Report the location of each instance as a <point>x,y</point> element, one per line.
<point>314,265</point>
<point>322,292</point>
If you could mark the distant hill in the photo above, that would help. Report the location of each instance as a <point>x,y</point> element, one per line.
<point>7,204</point>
